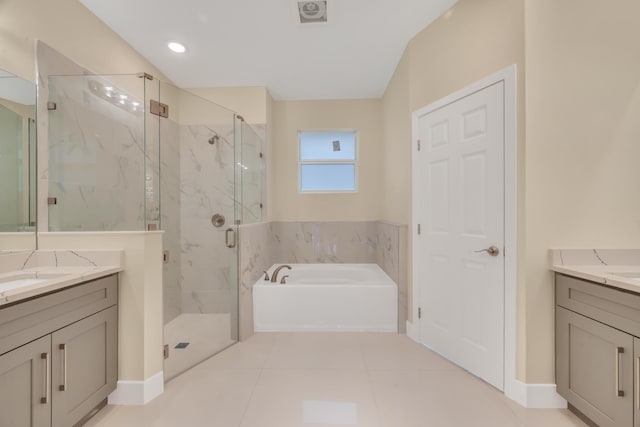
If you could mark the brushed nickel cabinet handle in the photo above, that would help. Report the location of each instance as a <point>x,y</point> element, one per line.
<point>45,357</point>
<point>638,383</point>
<point>63,349</point>
<point>619,351</point>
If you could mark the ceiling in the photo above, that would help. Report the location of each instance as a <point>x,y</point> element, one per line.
<point>262,43</point>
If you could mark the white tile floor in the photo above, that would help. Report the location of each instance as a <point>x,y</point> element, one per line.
<point>329,379</point>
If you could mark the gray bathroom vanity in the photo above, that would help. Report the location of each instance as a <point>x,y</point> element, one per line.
<point>58,337</point>
<point>58,354</point>
<point>598,339</point>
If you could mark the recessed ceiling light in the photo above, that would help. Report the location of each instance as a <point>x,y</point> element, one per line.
<point>177,47</point>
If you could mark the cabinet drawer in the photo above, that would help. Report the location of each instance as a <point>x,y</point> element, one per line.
<point>613,307</point>
<point>29,320</point>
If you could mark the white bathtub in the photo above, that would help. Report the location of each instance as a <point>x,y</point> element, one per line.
<point>327,297</point>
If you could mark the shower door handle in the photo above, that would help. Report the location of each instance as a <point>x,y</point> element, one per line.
<point>227,241</point>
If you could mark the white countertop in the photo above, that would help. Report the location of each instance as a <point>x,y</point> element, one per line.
<point>31,273</point>
<point>618,268</point>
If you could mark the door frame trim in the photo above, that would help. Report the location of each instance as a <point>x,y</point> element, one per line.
<point>508,76</point>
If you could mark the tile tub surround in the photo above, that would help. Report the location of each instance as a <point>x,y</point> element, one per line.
<point>255,257</point>
<point>58,269</point>
<point>323,242</point>
<point>618,268</point>
<point>263,244</point>
<point>391,256</point>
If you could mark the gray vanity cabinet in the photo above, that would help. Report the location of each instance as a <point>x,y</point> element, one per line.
<point>597,352</point>
<point>593,366</point>
<point>85,371</point>
<point>58,355</point>
<point>25,396</point>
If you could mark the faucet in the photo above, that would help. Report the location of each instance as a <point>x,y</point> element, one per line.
<point>274,276</point>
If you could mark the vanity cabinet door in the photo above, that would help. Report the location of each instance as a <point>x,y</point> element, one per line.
<point>25,385</point>
<point>84,366</point>
<point>594,368</point>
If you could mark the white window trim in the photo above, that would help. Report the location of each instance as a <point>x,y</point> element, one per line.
<point>353,162</point>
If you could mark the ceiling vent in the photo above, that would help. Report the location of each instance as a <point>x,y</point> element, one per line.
<point>312,11</point>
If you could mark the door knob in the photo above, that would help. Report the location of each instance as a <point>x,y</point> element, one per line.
<point>491,250</point>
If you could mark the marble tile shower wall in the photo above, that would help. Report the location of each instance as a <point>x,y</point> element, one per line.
<point>379,242</point>
<point>74,149</point>
<point>170,199</point>
<point>197,183</point>
<point>255,257</point>
<point>206,188</point>
<point>96,161</point>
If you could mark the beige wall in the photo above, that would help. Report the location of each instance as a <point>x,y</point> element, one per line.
<point>69,27</point>
<point>363,115</point>
<point>582,69</point>
<point>396,149</point>
<point>268,162</point>
<point>140,338</point>
<point>583,144</point>
<point>474,39</point>
<point>249,102</point>
<point>17,241</point>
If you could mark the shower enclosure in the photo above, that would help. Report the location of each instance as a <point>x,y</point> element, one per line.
<point>131,153</point>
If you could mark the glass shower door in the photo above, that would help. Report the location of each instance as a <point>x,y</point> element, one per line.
<point>251,173</point>
<point>198,217</point>
<point>98,155</point>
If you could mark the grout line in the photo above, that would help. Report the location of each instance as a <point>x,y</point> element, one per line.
<point>376,404</point>
<point>262,369</point>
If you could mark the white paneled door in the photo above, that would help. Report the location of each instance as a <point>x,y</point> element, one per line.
<point>458,252</point>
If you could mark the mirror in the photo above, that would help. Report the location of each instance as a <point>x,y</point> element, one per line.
<point>17,155</point>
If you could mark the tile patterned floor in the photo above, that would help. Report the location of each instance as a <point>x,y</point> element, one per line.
<point>329,379</point>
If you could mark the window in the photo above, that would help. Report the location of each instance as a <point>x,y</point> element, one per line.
<point>327,161</point>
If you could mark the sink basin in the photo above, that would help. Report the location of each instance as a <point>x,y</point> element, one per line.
<point>18,280</point>
<point>629,275</point>
<point>18,283</point>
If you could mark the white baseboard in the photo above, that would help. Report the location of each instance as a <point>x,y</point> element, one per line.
<point>412,332</point>
<point>138,392</point>
<point>535,395</point>
<point>527,395</point>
